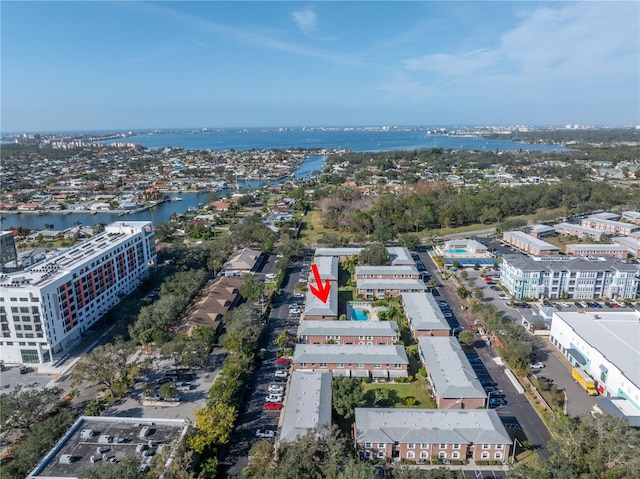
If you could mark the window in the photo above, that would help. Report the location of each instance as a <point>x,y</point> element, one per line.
<point>323,365</point>
<point>443,446</point>
<point>361,365</point>
<point>340,365</point>
<point>442,455</point>
<point>499,446</point>
<point>381,454</point>
<point>456,446</point>
<point>303,365</point>
<point>423,454</point>
<point>398,366</point>
<point>377,366</point>
<point>424,445</point>
<point>367,445</point>
<point>30,356</point>
<point>455,455</point>
<point>411,455</point>
<point>485,446</point>
<point>411,445</point>
<point>485,455</point>
<point>498,455</point>
<point>367,454</point>
<point>381,444</point>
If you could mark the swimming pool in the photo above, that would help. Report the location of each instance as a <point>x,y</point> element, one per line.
<point>455,251</point>
<point>358,314</point>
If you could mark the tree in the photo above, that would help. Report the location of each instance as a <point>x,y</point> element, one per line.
<point>374,255</point>
<point>291,248</point>
<point>251,289</point>
<point>106,470</point>
<point>347,395</point>
<point>168,390</point>
<point>381,397</point>
<point>25,405</point>
<point>409,240</point>
<point>214,425</point>
<point>106,365</point>
<point>467,338</point>
<point>261,460</point>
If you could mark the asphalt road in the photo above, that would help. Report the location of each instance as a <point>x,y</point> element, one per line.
<point>518,406</point>
<point>252,415</point>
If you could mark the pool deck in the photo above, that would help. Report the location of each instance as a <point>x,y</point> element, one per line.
<point>368,307</point>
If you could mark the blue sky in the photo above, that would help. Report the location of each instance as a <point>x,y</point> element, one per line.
<point>126,65</point>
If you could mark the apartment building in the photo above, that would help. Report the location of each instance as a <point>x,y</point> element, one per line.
<point>631,217</point>
<point>316,310</point>
<point>631,243</point>
<point>327,268</point>
<point>581,232</point>
<point>569,277</point>
<point>607,346</point>
<point>379,288</point>
<point>610,226</point>
<point>424,315</point>
<point>8,252</point>
<point>418,434</point>
<point>453,381</point>
<point>364,361</point>
<point>612,250</point>
<point>386,272</point>
<point>49,305</point>
<point>349,332</point>
<point>529,244</point>
<point>539,231</point>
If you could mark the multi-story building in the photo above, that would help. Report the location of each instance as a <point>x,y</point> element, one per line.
<point>424,315</point>
<point>349,332</point>
<point>386,272</point>
<point>607,346</point>
<point>317,310</point>
<point>8,253</point>
<point>569,277</point>
<point>539,231</point>
<point>529,244</point>
<point>631,243</point>
<point>612,250</point>
<point>581,232</point>
<point>379,288</point>
<point>418,434</point>
<point>49,305</point>
<point>613,227</point>
<point>378,362</point>
<point>453,381</point>
<point>631,217</point>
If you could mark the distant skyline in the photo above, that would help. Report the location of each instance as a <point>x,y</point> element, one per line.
<point>144,65</point>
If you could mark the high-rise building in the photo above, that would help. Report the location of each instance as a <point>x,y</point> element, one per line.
<point>8,253</point>
<point>45,308</point>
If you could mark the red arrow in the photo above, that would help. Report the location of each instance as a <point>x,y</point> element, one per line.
<point>322,291</point>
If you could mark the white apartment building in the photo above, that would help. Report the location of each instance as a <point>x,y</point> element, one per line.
<point>48,306</point>
<point>569,277</point>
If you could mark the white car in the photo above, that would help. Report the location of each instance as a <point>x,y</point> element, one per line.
<point>281,373</point>
<point>504,297</point>
<point>270,276</point>
<point>273,398</point>
<point>295,311</point>
<point>276,388</point>
<point>566,305</point>
<point>265,433</point>
<point>537,365</point>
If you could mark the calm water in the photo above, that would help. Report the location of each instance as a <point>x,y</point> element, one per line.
<point>159,214</point>
<point>355,140</point>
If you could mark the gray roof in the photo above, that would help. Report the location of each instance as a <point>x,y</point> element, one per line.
<point>348,328</point>
<point>596,247</point>
<point>615,334</point>
<point>337,251</point>
<point>423,312</point>
<point>308,404</point>
<point>605,215</point>
<point>631,215</point>
<point>584,229</point>
<point>464,243</point>
<point>529,240</point>
<point>348,353</point>
<point>615,224</point>
<point>432,426</point>
<point>538,228</point>
<point>314,307</point>
<point>449,368</point>
<point>399,271</point>
<point>400,256</point>
<point>567,263</point>
<point>327,268</point>
<point>391,284</point>
<point>627,242</point>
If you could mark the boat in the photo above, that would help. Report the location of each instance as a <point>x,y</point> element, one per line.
<point>175,198</point>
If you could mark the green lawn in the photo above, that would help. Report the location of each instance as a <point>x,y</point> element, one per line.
<point>416,389</point>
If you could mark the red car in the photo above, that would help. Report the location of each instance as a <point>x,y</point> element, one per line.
<point>282,360</point>
<point>273,406</point>
<point>488,278</point>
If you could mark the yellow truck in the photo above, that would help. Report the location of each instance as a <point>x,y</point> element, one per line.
<point>584,380</point>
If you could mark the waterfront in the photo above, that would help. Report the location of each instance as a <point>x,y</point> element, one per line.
<point>358,140</point>
<point>158,214</point>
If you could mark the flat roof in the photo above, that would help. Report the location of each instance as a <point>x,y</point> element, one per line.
<point>87,434</point>
<point>449,368</point>
<point>348,328</point>
<point>337,251</point>
<point>308,404</point>
<point>595,247</point>
<point>584,229</point>
<point>616,335</point>
<point>568,263</point>
<point>61,264</point>
<point>432,426</point>
<point>387,270</point>
<point>423,312</point>
<point>467,243</point>
<point>350,353</point>
<point>391,284</point>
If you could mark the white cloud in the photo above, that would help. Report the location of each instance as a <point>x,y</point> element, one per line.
<point>306,20</point>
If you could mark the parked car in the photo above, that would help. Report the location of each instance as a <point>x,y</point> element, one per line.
<point>279,379</point>
<point>597,305</point>
<point>281,374</point>
<point>273,398</point>
<point>283,360</point>
<point>24,369</point>
<point>270,276</point>
<point>474,359</point>
<point>497,401</point>
<point>276,388</point>
<point>495,288</point>
<point>265,433</point>
<point>503,297</point>
<point>273,406</point>
<point>282,366</point>
<point>537,365</point>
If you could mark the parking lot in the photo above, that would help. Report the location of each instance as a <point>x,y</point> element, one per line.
<point>10,377</point>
